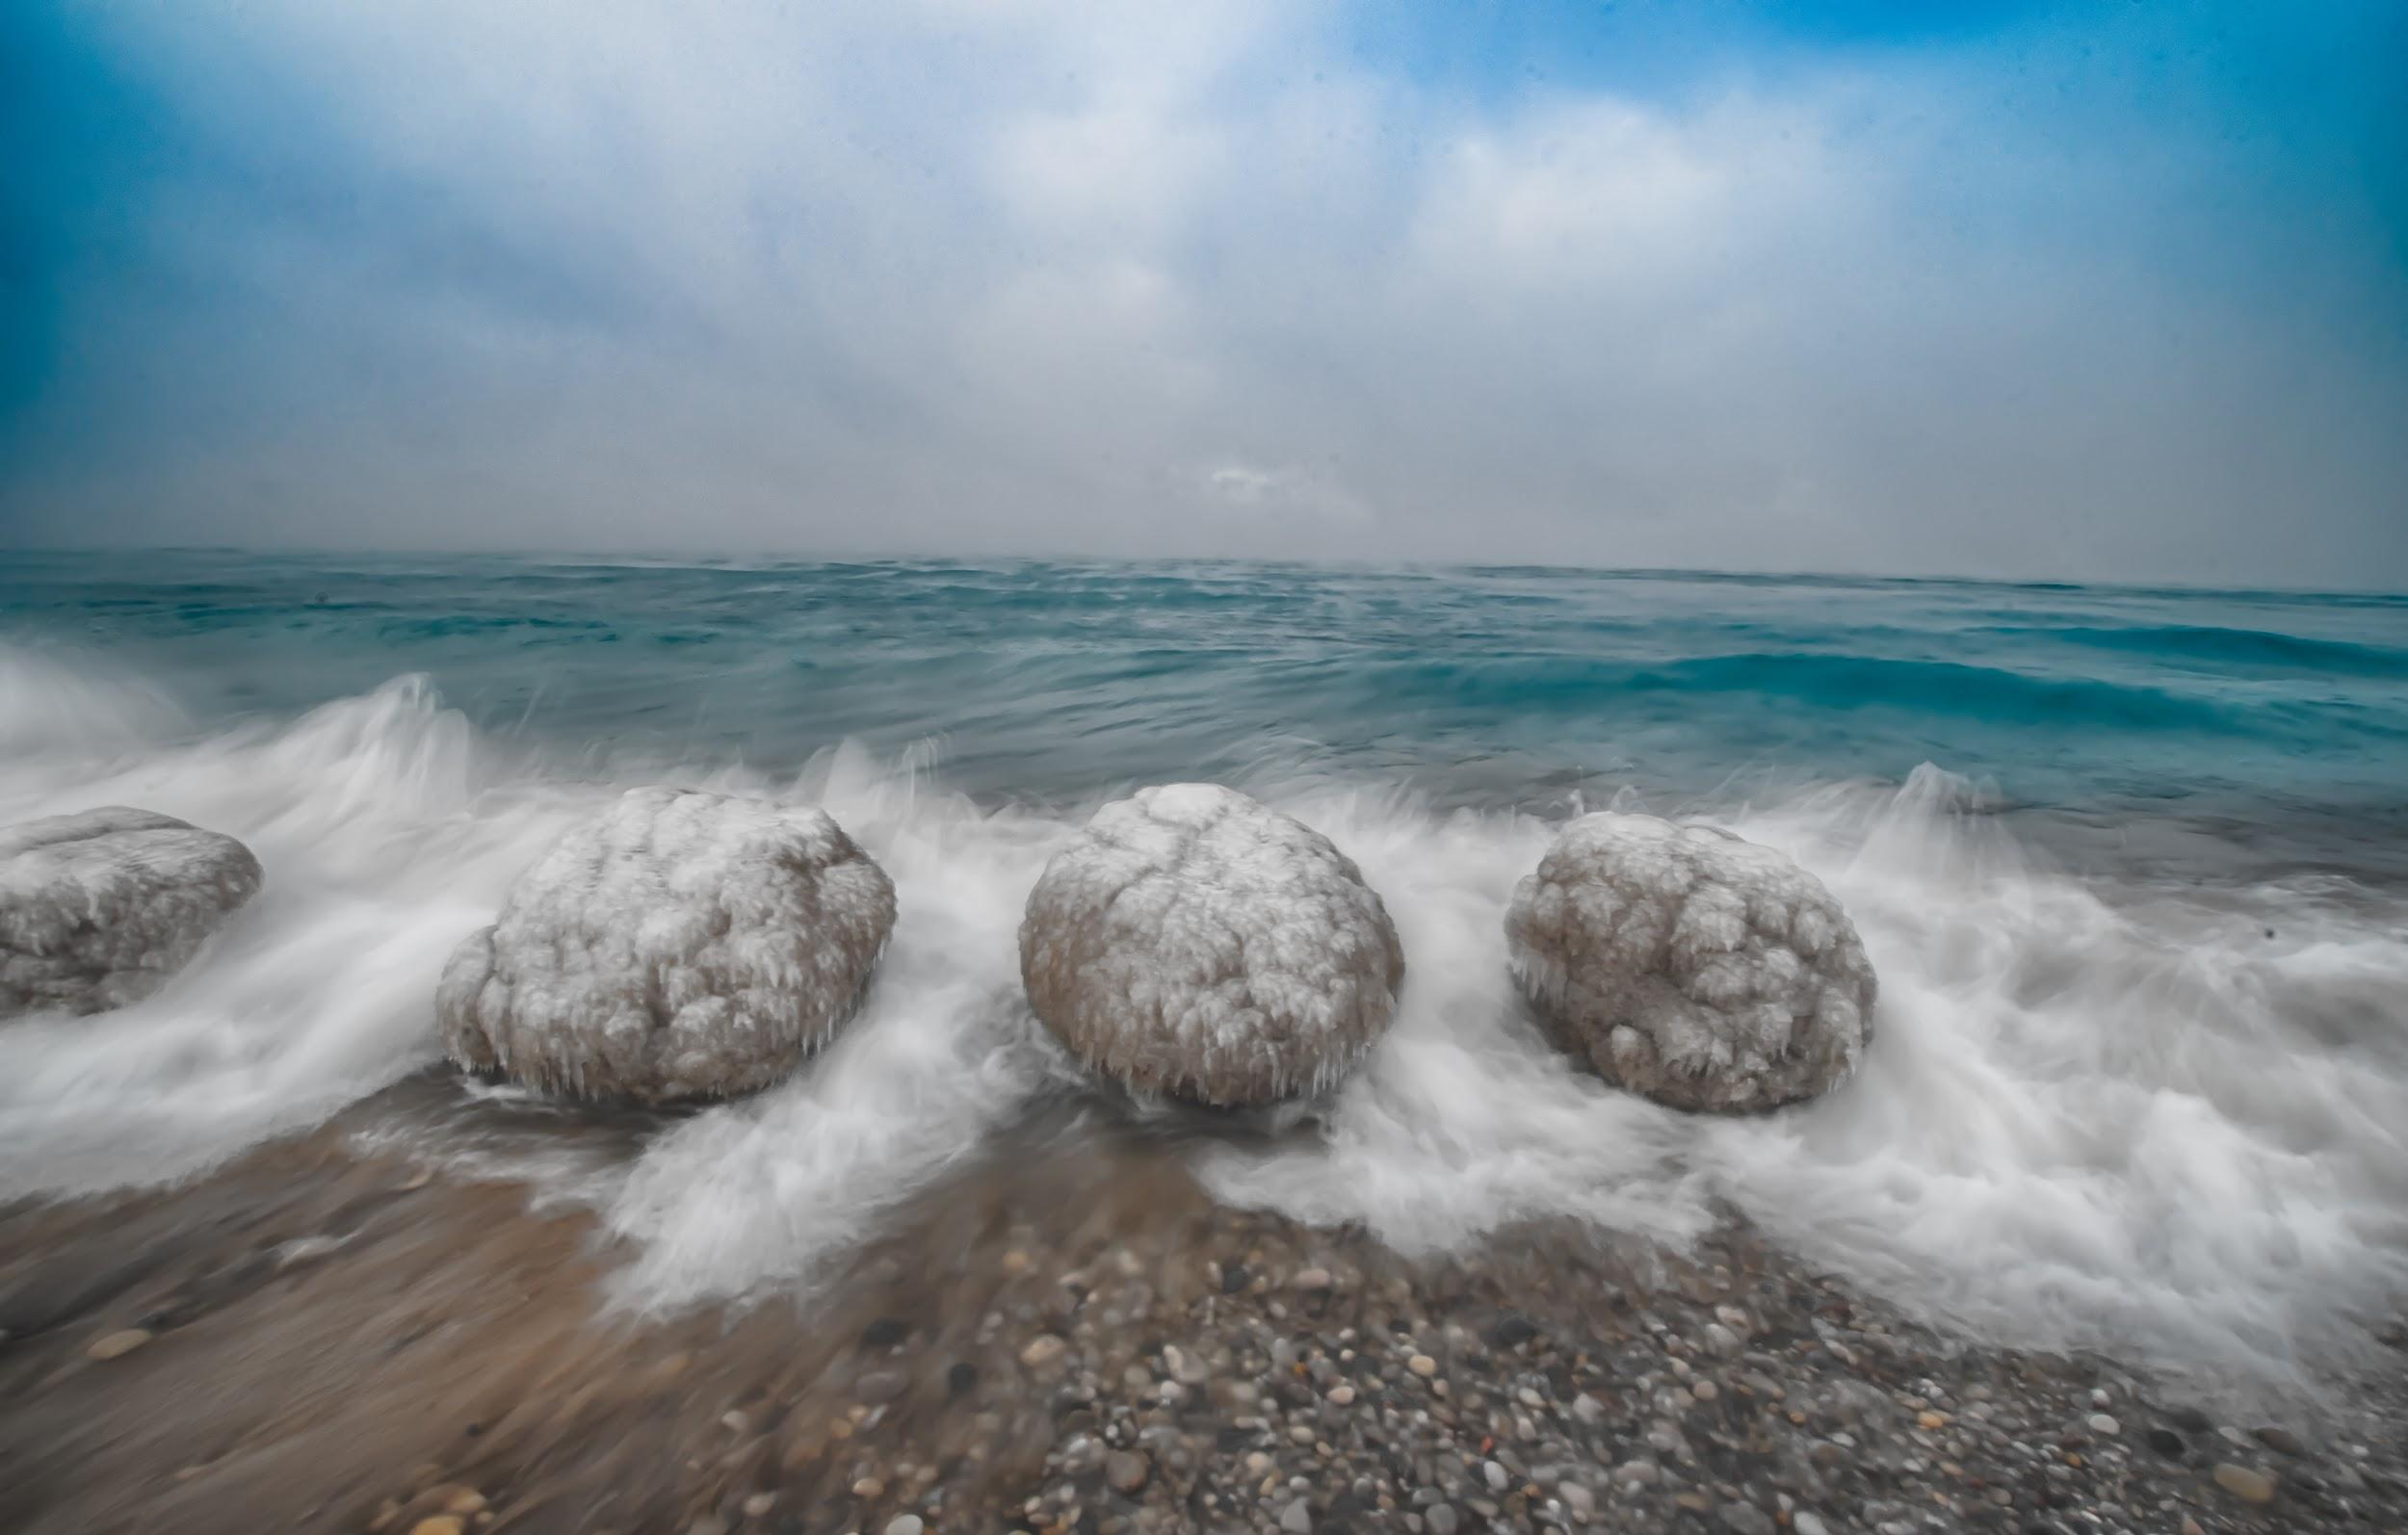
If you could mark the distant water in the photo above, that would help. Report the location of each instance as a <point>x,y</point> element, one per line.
<point>2132,864</point>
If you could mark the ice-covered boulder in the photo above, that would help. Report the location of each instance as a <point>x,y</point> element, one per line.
<point>98,909</point>
<point>683,945</point>
<point>1196,943</point>
<point>1689,965</point>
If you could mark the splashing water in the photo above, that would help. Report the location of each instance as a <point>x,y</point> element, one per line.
<point>2141,1068</point>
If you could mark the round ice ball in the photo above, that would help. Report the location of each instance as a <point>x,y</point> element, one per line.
<point>683,944</point>
<point>1688,965</point>
<point>98,909</point>
<point>1198,944</point>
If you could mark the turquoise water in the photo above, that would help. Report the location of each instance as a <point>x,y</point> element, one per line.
<point>1489,686</point>
<point>2131,866</point>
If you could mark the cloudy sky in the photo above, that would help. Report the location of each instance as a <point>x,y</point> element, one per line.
<point>2109,290</point>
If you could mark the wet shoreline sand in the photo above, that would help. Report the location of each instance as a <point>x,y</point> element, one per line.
<point>1068,1335</point>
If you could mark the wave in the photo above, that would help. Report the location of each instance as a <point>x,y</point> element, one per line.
<point>1945,690</point>
<point>2171,1117</point>
<point>2217,647</point>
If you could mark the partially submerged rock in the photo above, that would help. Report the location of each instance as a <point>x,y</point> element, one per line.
<point>98,909</point>
<point>683,945</point>
<point>1689,965</point>
<point>1196,943</point>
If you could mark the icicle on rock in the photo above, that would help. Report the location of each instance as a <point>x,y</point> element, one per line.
<point>98,909</point>
<point>1688,965</point>
<point>1198,943</point>
<point>685,944</point>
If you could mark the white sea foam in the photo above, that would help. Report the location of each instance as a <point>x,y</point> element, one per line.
<point>766,1190</point>
<point>2094,1111</point>
<point>2083,1122</point>
<point>381,845</point>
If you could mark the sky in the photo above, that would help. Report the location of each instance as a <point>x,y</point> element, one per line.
<point>2103,290</point>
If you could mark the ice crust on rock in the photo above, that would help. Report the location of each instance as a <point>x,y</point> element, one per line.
<point>1689,965</point>
<point>1195,942</point>
<point>683,945</point>
<point>98,909</point>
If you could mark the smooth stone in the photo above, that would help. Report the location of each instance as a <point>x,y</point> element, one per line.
<point>881,1386</point>
<point>1126,1471</point>
<point>2250,1487</point>
<point>1296,1519</point>
<point>2168,1443</point>
<point>1806,1522</point>
<point>1188,1369</point>
<point>1441,1520</point>
<point>2102,1423</point>
<point>904,1524</point>
<point>1422,1364</point>
<point>1314,1279</point>
<point>1747,1519</point>
<point>439,1524</point>
<point>121,1342</point>
<point>2280,1439</point>
<point>1042,1349</point>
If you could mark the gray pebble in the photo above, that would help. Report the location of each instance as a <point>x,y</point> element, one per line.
<point>1747,1519</point>
<point>1125,1471</point>
<point>2281,1439</point>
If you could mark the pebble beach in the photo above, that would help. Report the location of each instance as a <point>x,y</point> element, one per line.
<point>1070,1337</point>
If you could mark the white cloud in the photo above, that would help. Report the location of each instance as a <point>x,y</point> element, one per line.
<point>1042,276</point>
<point>1284,492</point>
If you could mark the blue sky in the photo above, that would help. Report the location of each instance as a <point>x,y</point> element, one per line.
<point>2112,291</point>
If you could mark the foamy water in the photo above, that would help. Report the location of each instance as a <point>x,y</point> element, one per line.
<point>2167,1112</point>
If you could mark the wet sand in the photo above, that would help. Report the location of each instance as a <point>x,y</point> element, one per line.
<point>1068,1336</point>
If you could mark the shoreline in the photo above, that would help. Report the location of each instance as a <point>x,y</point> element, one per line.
<point>1066,1335</point>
